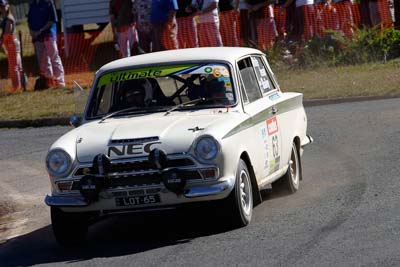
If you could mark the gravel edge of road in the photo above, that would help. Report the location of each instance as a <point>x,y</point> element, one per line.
<point>47,122</point>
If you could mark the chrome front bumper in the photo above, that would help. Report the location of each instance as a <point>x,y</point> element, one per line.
<point>218,190</point>
<point>307,141</point>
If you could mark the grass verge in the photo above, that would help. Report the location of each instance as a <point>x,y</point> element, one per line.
<point>323,83</point>
<point>372,79</point>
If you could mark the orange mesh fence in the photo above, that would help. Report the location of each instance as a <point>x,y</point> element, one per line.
<point>83,53</point>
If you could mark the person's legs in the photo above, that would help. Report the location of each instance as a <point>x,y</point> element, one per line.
<point>124,42</point>
<point>144,39</point>
<point>228,28</point>
<point>169,36</point>
<point>181,32</point>
<point>225,27</point>
<point>244,26</point>
<point>309,25</point>
<point>14,63</point>
<point>187,32</point>
<point>202,34</point>
<point>374,13</point>
<point>45,69</point>
<point>396,14</point>
<point>58,69</point>
<point>157,35</point>
<point>209,34</point>
<point>191,33</point>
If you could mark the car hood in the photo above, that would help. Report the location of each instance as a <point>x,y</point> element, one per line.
<point>124,137</point>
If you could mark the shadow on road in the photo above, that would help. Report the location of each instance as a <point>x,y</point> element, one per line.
<point>112,237</point>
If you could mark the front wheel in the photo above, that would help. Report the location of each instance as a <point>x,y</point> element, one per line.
<point>290,182</point>
<point>69,228</point>
<point>240,201</point>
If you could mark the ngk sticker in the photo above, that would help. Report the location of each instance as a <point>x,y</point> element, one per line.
<point>272,126</point>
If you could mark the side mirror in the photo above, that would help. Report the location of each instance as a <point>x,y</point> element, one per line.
<point>75,121</point>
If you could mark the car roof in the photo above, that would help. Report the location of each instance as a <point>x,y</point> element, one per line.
<point>229,54</point>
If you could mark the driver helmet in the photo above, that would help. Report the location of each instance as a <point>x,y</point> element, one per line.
<point>215,88</point>
<point>138,92</point>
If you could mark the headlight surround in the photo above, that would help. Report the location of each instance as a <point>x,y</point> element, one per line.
<point>206,148</point>
<point>58,163</point>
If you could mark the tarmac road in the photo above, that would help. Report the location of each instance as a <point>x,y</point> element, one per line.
<point>347,212</point>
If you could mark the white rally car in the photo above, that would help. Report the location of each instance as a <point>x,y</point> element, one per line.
<point>165,129</point>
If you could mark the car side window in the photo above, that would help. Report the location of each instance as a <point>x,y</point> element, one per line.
<point>264,80</point>
<point>249,80</point>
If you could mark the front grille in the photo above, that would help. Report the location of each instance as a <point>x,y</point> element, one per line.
<point>137,172</point>
<point>142,179</point>
<point>137,166</point>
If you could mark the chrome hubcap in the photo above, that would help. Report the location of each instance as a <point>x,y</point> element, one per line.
<point>245,194</point>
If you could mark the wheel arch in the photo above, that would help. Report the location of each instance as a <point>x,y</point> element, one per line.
<point>254,185</point>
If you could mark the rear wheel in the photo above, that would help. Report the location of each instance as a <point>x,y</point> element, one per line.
<point>240,202</point>
<point>69,228</point>
<point>290,182</point>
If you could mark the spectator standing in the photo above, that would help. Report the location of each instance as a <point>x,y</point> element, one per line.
<point>122,17</point>
<point>142,16</point>
<point>42,20</point>
<point>243,22</point>
<point>208,26</point>
<point>228,16</point>
<point>263,13</point>
<point>187,28</point>
<point>165,29</point>
<point>370,12</point>
<point>346,20</point>
<point>11,45</point>
<point>280,18</point>
<point>396,4</point>
<point>373,8</point>
<point>329,17</point>
<point>304,19</point>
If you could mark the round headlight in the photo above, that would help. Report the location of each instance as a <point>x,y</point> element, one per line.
<point>206,149</point>
<point>58,162</point>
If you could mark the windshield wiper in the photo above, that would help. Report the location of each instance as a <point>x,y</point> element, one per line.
<point>197,100</point>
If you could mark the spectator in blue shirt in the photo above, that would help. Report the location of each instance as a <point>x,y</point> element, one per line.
<point>42,20</point>
<point>165,29</point>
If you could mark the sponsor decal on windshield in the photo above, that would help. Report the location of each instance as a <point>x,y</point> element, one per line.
<point>152,72</point>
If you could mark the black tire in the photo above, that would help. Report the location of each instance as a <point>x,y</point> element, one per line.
<point>70,229</point>
<point>290,182</point>
<point>239,203</point>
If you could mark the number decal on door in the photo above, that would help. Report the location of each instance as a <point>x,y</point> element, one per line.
<point>275,146</point>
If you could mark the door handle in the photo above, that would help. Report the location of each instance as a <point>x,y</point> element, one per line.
<point>274,110</point>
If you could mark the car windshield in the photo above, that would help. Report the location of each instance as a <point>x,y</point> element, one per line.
<point>161,88</point>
